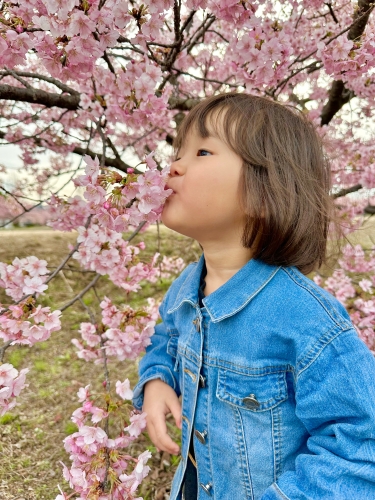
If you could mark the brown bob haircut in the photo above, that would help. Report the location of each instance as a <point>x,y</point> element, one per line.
<point>285,181</point>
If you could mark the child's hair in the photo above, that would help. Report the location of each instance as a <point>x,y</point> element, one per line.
<point>285,180</point>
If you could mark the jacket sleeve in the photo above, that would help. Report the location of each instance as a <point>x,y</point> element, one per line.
<point>335,400</point>
<point>156,363</point>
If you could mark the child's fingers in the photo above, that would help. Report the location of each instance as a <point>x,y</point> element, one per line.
<point>158,433</point>
<point>175,409</point>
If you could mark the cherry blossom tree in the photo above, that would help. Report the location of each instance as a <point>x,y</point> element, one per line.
<point>89,83</point>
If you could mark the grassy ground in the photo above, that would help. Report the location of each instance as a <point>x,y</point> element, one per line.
<point>31,435</point>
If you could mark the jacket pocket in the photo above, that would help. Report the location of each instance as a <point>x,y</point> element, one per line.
<point>252,392</point>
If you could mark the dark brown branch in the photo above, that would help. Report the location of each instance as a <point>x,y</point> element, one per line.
<point>338,95</point>
<point>10,72</point>
<point>360,18</point>
<point>108,61</point>
<point>199,33</point>
<point>122,39</point>
<point>178,37</point>
<point>211,80</point>
<point>182,104</point>
<point>14,197</point>
<point>20,215</point>
<point>67,258</point>
<point>109,162</point>
<point>370,209</point>
<point>3,349</point>
<point>37,96</point>
<point>36,76</point>
<point>218,34</point>
<point>114,149</point>
<point>332,12</point>
<point>345,191</point>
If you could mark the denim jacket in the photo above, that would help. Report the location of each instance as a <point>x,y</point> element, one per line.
<point>277,389</point>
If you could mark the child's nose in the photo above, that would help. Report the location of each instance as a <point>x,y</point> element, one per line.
<point>176,168</point>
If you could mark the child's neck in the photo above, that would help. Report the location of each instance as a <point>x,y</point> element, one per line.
<point>222,263</point>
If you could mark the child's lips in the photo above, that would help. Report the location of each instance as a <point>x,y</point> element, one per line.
<point>168,187</point>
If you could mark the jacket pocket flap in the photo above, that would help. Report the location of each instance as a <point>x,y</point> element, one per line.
<point>252,392</point>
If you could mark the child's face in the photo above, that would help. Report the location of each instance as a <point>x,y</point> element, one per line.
<point>205,178</point>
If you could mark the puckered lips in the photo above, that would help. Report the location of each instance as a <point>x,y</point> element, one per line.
<point>167,186</point>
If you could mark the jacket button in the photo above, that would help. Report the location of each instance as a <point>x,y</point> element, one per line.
<point>251,401</point>
<point>207,488</point>
<point>197,325</point>
<point>202,381</point>
<point>201,436</point>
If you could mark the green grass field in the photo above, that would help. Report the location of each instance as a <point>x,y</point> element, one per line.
<point>31,435</point>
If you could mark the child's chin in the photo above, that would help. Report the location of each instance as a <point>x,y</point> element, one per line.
<point>166,220</point>
<point>174,225</point>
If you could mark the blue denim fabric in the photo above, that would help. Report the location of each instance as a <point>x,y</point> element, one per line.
<point>307,428</point>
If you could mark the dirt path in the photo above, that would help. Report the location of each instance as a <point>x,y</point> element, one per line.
<point>40,231</point>
<point>364,236</point>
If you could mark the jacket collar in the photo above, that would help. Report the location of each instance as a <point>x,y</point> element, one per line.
<point>231,297</point>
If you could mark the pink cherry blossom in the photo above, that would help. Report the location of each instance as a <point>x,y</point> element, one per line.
<point>23,277</point>
<point>80,24</point>
<point>138,423</point>
<point>83,393</point>
<point>123,389</point>
<point>12,383</point>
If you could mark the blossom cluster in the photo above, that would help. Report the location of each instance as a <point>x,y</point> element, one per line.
<point>106,252</point>
<point>101,468</point>
<point>11,384</point>
<point>123,333</point>
<point>79,48</point>
<point>67,215</point>
<point>25,323</point>
<point>353,285</point>
<point>346,59</point>
<point>261,53</point>
<point>23,277</point>
<point>118,201</point>
<point>170,266</point>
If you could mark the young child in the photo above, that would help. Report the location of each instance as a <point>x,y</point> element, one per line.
<point>277,389</point>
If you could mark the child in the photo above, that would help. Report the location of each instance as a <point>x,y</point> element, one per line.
<point>277,390</point>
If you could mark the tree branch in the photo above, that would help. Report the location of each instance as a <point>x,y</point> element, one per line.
<point>345,191</point>
<point>37,96</point>
<point>81,293</point>
<point>14,197</point>
<point>338,95</point>
<point>182,104</point>
<point>26,74</point>
<point>108,162</point>
<point>4,348</point>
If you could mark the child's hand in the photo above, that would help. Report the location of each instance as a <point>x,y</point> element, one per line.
<point>159,400</point>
